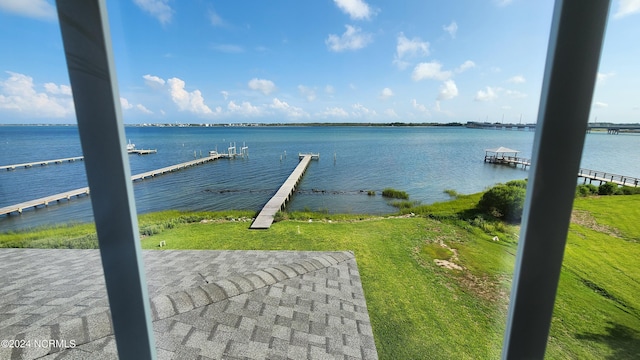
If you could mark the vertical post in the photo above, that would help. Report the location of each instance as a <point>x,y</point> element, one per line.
<point>87,45</point>
<point>577,32</point>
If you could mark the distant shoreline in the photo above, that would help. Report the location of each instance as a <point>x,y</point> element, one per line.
<point>314,124</point>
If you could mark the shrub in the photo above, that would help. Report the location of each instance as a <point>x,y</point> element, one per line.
<point>586,190</point>
<point>371,193</point>
<point>504,201</point>
<point>608,188</point>
<point>395,194</point>
<point>518,183</point>
<point>629,190</point>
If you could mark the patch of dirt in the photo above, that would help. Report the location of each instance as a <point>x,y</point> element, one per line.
<point>488,288</point>
<point>448,264</point>
<point>584,218</point>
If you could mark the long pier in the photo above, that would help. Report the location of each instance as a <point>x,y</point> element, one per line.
<point>41,163</point>
<point>586,174</point>
<point>45,201</point>
<point>278,201</point>
<point>69,159</point>
<point>604,177</point>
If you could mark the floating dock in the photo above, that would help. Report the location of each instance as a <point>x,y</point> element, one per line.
<point>278,201</point>
<point>142,151</point>
<point>45,201</point>
<point>41,163</point>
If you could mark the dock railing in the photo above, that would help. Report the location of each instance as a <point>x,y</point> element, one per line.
<point>608,177</point>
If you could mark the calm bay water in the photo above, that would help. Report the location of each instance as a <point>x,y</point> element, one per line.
<point>423,161</point>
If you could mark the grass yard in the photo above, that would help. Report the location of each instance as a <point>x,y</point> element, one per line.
<point>455,308</point>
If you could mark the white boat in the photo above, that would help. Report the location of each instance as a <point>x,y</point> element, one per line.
<point>130,146</point>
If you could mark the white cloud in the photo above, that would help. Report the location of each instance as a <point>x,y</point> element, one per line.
<point>125,104</point>
<point>18,94</point>
<point>360,110</point>
<point>600,104</point>
<point>143,109</point>
<point>187,101</point>
<point>307,92</point>
<point>57,90</point>
<point>451,29</point>
<point>430,70</point>
<point>335,112</point>
<point>225,94</point>
<point>352,39</point>
<point>409,48</point>
<point>290,111</point>
<point>356,9</point>
<point>156,8</point>
<point>264,86</point>
<point>488,95</point>
<point>39,9</point>
<point>386,93</point>
<point>153,82</point>
<point>440,110</point>
<point>465,66</point>
<point>391,113</point>
<point>244,109</point>
<point>329,89</point>
<point>515,94</point>
<point>419,106</point>
<point>215,19</point>
<point>448,90</point>
<point>603,77</point>
<point>518,79</point>
<point>627,7</point>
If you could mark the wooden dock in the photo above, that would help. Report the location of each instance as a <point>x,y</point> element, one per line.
<point>508,160</point>
<point>603,177</point>
<point>279,200</point>
<point>70,159</point>
<point>45,201</point>
<point>177,167</point>
<point>586,174</point>
<point>41,163</point>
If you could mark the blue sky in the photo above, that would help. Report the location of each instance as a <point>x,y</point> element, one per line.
<point>314,61</point>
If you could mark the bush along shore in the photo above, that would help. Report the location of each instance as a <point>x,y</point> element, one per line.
<point>437,277</point>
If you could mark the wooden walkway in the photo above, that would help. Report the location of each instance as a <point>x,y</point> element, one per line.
<point>70,159</point>
<point>278,201</point>
<point>45,201</point>
<point>177,167</point>
<point>586,174</point>
<point>604,177</point>
<point>41,163</point>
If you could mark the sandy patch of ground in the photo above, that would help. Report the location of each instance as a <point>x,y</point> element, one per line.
<point>584,218</point>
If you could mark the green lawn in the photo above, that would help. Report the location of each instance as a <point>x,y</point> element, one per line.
<point>420,310</point>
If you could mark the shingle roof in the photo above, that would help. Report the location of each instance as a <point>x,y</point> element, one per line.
<point>212,304</point>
